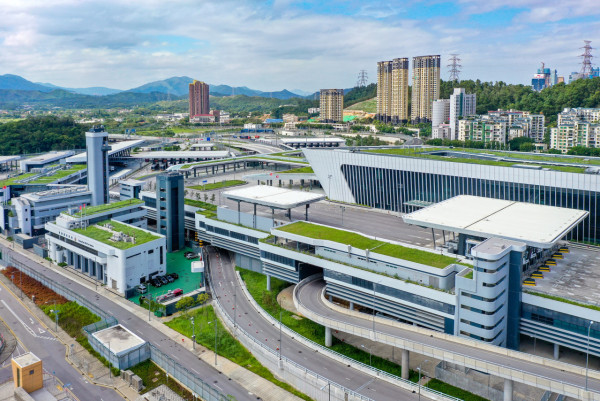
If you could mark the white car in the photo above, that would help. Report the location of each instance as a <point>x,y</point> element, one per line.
<point>142,289</point>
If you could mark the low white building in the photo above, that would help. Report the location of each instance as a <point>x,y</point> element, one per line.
<point>118,255</point>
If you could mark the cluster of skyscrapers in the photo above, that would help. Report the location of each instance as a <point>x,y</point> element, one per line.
<point>447,112</point>
<point>392,89</point>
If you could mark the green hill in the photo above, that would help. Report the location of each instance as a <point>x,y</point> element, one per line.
<point>368,106</point>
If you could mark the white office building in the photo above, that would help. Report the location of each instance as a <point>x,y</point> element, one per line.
<point>461,105</point>
<point>118,255</point>
<point>440,112</point>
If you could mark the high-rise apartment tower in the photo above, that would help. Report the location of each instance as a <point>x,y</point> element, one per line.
<point>425,87</point>
<point>199,103</point>
<point>332,105</point>
<point>96,143</point>
<point>392,91</point>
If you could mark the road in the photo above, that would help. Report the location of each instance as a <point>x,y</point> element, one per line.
<point>139,326</point>
<point>310,296</point>
<point>35,337</point>
<point>223,277</point>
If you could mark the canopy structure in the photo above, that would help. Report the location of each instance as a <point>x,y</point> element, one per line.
<point>537,225</point>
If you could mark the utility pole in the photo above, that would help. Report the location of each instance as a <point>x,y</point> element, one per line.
<point>586,63</point>
<point>362,79</point>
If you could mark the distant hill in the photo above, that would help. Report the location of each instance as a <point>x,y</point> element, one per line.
<point>356,95</point>
<point>368,106</point>
<point>15,82</point>
<point>178,86</point>
<point>94,90</point>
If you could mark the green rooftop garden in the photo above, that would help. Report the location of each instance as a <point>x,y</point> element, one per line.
<point>13,180</point>
<point>517,159</point>
<point>469,275</point>
<point>200,204</point>
<point>567,301</point>
<point>98,234</point>
<point>299,170</point>
<point>91,210</point>
<point>218,185</point>
<point>49,179</point>
<point>361,242</point>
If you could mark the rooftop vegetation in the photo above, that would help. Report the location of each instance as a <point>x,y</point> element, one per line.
<point>299,170</point>
<point>218,185</point>
<point>91,210</point>
<point>361,242</point>
<point>58,174</point>
<point>98,234</point>
<point>421,153</point>
<point>197,203</point>
<point>567,301</point>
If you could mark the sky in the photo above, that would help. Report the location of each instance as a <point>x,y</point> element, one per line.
<point>277,44</point>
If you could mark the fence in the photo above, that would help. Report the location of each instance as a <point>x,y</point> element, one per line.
<point>168,364</point>
<point>198,387</point>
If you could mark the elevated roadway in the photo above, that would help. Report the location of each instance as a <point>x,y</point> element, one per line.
<point>539,372</point>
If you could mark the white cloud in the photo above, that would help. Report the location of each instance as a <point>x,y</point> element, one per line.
<point>123,44</point>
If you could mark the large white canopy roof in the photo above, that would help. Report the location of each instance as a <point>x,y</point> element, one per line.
<point>536,225</point>
<point>275,197</point>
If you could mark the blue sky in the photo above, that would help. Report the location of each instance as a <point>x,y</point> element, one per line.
<point>285,43</point>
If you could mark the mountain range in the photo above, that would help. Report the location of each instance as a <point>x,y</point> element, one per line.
<point>172,87</point>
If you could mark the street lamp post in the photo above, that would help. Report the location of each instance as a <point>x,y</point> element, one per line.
<point>280,334</point>
<point>587,354</point>
<point>193,333</point>
<point>419,369</point>
<point>373,306</point>
<point>370,353</point>
<point>329,185</point>
<point>328,385</point>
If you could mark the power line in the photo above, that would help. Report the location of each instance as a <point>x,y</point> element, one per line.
<point>586,63</point>
<point>363,79</point>
<point>455,67</point>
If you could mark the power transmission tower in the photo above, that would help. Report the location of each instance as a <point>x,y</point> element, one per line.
<point>363,79</point>
<point>455,67</point>
<point>586,63</point>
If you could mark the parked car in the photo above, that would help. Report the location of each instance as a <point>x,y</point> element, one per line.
<point>156,282</point>
<point>175,275</point>
<point>169,278</point>
<point>190,255</point>
<point>163,280</point>
<point>142,289</point>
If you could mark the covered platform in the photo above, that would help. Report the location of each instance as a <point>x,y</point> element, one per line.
<point>538,226</point>
<point>273,198</point>
<point>313,142</point>
<point>41,161</point>
<point>118,150</point>
<point>182,156</point>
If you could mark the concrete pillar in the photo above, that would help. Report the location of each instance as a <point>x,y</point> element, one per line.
<point>330,298</point>
<point>405,364</point>
<point>351,307</point>
<point>556,351</point>
<point>508,390</point>
<point>268,283</point>
<point>328,339</point>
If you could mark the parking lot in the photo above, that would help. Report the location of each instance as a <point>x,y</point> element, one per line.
<point>187,281</point>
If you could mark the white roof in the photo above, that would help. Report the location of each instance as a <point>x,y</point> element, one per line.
<point>120,339</point>
<point>6,159</point>
<point>275,197</point>
<point>207,144</point>
<point>48,157</point>
<point>217,154</point>
<point>115,147</point>
<point>536,225</point>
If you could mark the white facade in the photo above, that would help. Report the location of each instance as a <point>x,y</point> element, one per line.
<point>120,269</point>
<point>442,131</point>
<point>461,105</point>
<point>440,112</point>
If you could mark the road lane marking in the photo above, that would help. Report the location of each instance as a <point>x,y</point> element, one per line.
<point>29,329</point>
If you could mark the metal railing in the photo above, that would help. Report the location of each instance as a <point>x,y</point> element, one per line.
<point>324,350</point>
<point>441,351</point>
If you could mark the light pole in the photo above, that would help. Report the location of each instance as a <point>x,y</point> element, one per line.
<point>329,185</point>
<point>370,354</point>
<point>327,385</point>
<point>419,369</point>
<point>373,306</point>
<point>280,334</point>
<point>193,333</point>
<point>587,354</point>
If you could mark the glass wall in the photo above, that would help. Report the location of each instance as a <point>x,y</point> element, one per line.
<point>391,190</point>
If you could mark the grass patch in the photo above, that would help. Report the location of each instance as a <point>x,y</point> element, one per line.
<point>518,159</point>
<point>227,345</point>
<point>57,175</point>
<point>218,185</point>
<point>91,210</point>
<point>445,388</point>
<point>469,275</point>
<point>200,204</point>
<point>299,170</point>
<point>567,301</point>
<point>368,106</point>
<point>257,284</point>
<point>152,376</point>
<point>95,233</point>
<point>361,242</point>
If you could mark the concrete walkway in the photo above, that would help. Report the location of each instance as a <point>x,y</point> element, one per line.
<point>250,381</point>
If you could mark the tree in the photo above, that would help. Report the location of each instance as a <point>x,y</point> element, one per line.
<point>205,197</point>
<point>185,303</point>
<point>212,198</point>
<point>202,298</point>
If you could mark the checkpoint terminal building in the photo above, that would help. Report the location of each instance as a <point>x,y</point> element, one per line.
<point>474,289</point>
